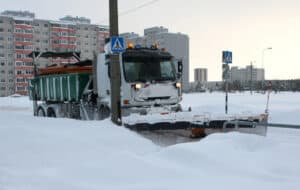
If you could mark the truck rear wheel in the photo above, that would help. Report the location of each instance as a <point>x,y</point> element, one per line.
<point>41,112</point>
<point>51,112</point>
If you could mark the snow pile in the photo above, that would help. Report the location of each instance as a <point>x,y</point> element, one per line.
<point>284,107</point>
<point>44,153</point>
<point>15,103</point>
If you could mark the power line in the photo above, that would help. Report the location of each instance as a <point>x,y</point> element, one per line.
<point>133,9</point>
<point>138,7</point>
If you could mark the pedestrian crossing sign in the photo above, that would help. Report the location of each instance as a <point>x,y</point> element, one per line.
<point>117,44</point>
<point>227,57</point>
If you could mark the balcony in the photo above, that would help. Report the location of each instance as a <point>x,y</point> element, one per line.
<point>23,35</point>
<point>69,38</point>
<point>23,26</point>
<point>23,51</point>
<point>60,29</point>
<point>25,59</point>
<point>23,43</point>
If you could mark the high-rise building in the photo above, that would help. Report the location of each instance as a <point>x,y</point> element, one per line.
<point>21,33</point>
<point>200,75</point>
<point>175,43</point>
<point>250,73</point>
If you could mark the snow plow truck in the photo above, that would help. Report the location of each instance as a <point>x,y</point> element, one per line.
<point>150,93</point>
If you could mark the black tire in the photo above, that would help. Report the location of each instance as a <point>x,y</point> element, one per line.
<point>41,112</point>
<point>104,112</point>
<point>51,112</point>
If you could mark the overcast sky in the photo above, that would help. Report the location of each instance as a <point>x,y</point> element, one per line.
<point>244,26</point>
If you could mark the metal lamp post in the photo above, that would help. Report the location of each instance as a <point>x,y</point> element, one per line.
<point>262,62</point>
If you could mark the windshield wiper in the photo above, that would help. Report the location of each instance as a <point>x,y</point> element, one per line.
<point>165,79</point>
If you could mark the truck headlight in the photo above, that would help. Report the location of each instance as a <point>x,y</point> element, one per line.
<point>138,86</point>
<point>178,85</point>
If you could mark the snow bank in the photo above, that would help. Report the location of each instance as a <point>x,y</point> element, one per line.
<point>284,107</point>
<point>44,153</point>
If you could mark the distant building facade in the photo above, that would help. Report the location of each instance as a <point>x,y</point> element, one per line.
<point>21,33</point>
<point>175,43</point>
<point>200,75</point>
<point>249,73</point>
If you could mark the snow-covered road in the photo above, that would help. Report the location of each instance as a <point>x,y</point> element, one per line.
<point>44,153</point>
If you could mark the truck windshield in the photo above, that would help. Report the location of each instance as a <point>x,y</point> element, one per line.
<point>149,70</point>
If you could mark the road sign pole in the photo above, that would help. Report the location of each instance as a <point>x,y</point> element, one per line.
<point>115,66</point>
<point>226,59</point>
<point>226,97</point>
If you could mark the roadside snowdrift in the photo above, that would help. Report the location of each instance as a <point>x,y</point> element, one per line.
<point>44,153</point>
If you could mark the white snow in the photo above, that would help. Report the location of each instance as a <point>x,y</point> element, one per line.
<point>44,153</point>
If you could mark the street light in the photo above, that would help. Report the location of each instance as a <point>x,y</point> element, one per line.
<point>263,54</point>
<point>262,63</point>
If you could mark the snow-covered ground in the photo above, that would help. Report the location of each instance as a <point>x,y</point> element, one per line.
<point>44,153</point>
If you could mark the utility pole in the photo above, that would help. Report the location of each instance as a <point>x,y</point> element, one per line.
<point>115,77</point>
<point>35,104</point>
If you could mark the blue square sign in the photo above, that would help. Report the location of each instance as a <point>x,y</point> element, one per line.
<point>227,57</point>
<point>117,44</point>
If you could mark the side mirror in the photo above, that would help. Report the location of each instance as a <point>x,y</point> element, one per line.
<point>179,66</point>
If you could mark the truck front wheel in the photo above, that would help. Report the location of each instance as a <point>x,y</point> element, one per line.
<point>41,112</point>
<point>104,112</point>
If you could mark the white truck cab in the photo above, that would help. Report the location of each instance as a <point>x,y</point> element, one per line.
<point>148,81</point>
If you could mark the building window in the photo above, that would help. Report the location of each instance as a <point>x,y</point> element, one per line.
<point>2,72</point>
<point>46,33</point>
<point>9,30</point>
<point>36,24</point>
<point>45,41</point>
<point>1,30</point>
<point>3,88</point>
<point>1,38</point>
<point>10,63</point>
<point>1,47</point>
<point>21,80</point>
<point>2,63</point>
<point>86,43</point>
<point>10,72</point>
<point>1,21</point>
<point>19,63</point>
<point>37,41</point>
<point>1,55</point>
<point>10,39</point>
<point>46,25</point>
<point>10,55</point>
<point>37,32</point>
<point>20,88</point>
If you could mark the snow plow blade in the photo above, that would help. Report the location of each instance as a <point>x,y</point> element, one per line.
<point>202,126</point>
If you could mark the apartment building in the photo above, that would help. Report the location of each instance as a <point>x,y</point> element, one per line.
<point>21,33</point>
<point>175,43</point>
<point>249,73</point>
